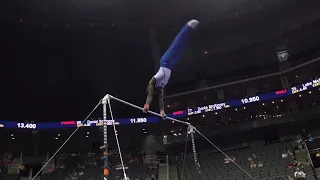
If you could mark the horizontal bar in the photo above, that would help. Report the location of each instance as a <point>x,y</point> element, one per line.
<point>151,112</point>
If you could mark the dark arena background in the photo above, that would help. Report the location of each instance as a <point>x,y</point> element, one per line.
<point>242,103</point>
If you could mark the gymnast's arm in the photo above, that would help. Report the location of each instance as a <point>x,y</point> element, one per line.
<point>150,90</point>
<point>160,97</point>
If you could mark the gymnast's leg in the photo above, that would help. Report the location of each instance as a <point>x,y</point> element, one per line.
<point>172,55</point>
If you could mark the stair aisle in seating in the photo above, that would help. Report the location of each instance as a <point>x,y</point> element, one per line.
<point>173,172</point>
<point>162,175</point>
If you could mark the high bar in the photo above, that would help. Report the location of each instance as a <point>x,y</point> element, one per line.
<point>108,96</point>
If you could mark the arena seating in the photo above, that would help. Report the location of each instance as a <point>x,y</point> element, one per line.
<point>78,166</point>
<point>134,171</point>
<point>213,166</point>
<point>2,175</point>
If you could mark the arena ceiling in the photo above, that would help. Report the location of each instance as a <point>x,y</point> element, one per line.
<point>151,13</point>
<point>225,25</point>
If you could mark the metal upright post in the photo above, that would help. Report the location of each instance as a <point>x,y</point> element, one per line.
<point>197,166</point>
<point>105,139</point>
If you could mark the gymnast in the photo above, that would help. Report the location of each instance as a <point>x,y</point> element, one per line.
<point>167,63</point>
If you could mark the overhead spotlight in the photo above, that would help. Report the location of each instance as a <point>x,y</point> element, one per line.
<point>175,134</point>
<point>171,130</point>
<point>58,134</point>
<point>87,136</point>
<point>188,118</point>
<point>216,113</point>
<point>203,116</point>
<point>300,95</point>
<point>13,138</point>
<point>172,121</point>
<point>179,134</point>
<point>145,132</point>
<point>244,107</point>
<point>281,100</point>
<point>236,109</point>
<point>56,138</point>
<point>168,106</point>
<point>165,136</point>
<point>272,102</point>
<point>11,135</point>
<point>277,107</point>
<point>263,104</point>
<point>309,92</point>
<point>143,129</point>
<point>297,76</point>
<point>206,52</point>
<point>88,132</point>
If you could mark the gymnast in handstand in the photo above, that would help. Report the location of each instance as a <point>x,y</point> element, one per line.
<point>167,63</point>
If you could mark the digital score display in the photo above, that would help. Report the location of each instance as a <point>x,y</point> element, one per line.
<point>75,124</point>
<point>27,125</point>
<point>208,108</point>
<point>176,114</point>
<point>248,100</point>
